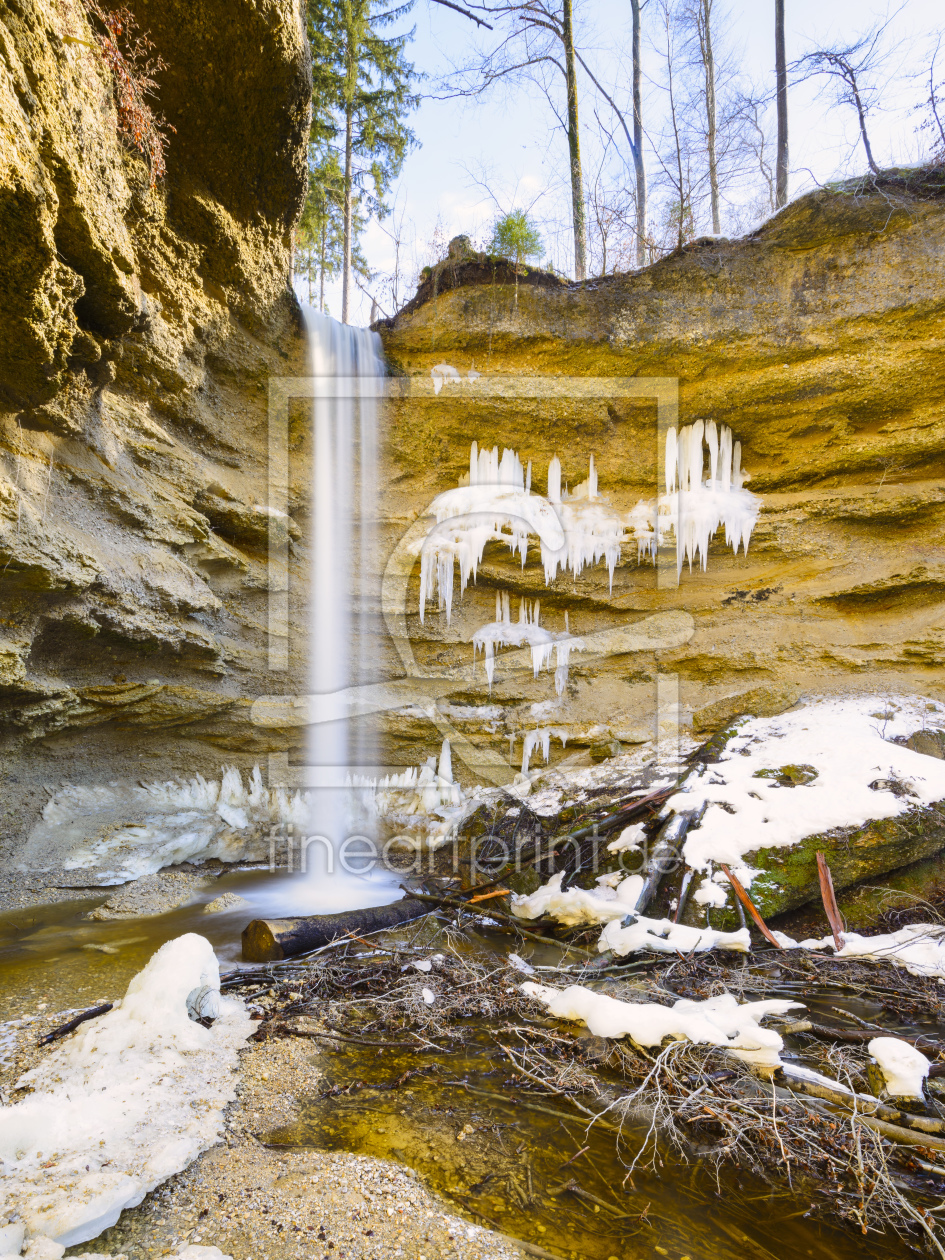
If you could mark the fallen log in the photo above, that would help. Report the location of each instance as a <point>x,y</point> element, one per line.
<point>268,940</point>
<point>866,1108</point>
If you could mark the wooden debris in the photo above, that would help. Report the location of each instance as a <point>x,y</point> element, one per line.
<point>749,905</point>
<point>830,901</point>
<point>73,1024</point>
<point>267,940</point>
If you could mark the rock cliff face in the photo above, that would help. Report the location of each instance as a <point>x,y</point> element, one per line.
<point>819,341</point>
<point>139,329</point>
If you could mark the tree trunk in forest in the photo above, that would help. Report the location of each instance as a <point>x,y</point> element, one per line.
<point>321,271</point>
<point>708,62</point>
<point>638,137</point>
<point>574,149</point>
<point>348,203</point>
<point>780,64</point>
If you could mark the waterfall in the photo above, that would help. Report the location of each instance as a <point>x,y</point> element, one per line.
<point>347,368</point>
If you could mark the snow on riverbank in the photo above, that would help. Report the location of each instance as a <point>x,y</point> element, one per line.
<point>127,1101</point>
<point>718,1021</point>
<point>130,830</point>
<point>124,831</point>
<point>829,764</point>
<point>609,903</point>
<point>919,947</point>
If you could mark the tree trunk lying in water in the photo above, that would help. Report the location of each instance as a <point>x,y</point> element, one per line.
<point>268,940</point>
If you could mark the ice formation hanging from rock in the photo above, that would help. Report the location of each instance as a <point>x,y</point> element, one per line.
<point>540,737</point>
<point>494,503</point>
<point>526,631</point>
<point>695,508</point>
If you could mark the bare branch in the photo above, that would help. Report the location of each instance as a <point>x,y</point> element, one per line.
<point>448,4</point>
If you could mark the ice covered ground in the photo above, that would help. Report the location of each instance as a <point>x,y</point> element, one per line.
<point>831,763</point>
<point>124,831</point>
<point>828,764</point>
<point>127,1101</point>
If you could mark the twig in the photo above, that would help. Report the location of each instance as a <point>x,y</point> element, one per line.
<point>73,1024</point>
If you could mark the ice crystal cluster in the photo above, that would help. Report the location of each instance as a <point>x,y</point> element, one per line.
<point>526,631</point>
<point>577,528</point>
<point>494,502</point>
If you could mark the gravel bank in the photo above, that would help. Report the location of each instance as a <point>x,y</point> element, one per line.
<point>255,1203</point>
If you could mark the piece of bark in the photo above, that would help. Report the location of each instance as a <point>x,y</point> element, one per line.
<point>268,940</point>
<point>749,905</point>
<point>829,899</point>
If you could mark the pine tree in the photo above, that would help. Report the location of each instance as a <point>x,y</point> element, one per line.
<point>361,95</point>
<point>515,236</point>
<point>319,237</point>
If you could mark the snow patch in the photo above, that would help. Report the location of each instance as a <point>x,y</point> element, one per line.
<point>903,1067</point>
<point>576,906</point>
<point>665,937</point>
<point>829,764</point>
<point>717,1021</point>
<point>127,1101</point>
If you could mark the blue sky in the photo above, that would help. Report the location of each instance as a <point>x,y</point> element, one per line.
<point>477,156</point>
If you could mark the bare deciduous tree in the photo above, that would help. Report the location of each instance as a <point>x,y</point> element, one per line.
<point>780,67</point>
<point>853,72</point>
<point>700,15</point>
<point>537,37</point>
<point>934,105</point>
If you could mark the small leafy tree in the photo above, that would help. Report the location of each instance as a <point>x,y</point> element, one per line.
<point>515,236</point>
<point>130,58</point>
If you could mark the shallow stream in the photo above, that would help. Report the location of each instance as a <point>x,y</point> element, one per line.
<point>528,1166</point>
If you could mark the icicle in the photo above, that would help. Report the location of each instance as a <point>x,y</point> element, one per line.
<point>682,458</point>
<point>712,438</point>
<point>695,455</point>
<point>474,464</point>
<point>737,477</point>
<point>522,613</point>
<point>535,612</point>
<point>725,454</point>
<point>506,607</point>
<point>554,481</point>
<point>592,480</point>
<point>671,449</point>
<point>498,605</point>
<point>538,738</point>
<point>528,478</point>
<point>567,628</point>
<point>445,769</point>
